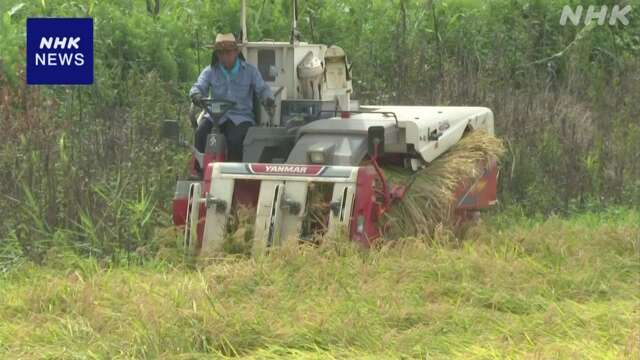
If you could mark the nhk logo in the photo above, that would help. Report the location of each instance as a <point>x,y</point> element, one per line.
<point>59,51</point>
<point>59,59</point>
<point>617,14</point>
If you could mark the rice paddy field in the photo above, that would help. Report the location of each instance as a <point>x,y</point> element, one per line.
<point>510,287</point>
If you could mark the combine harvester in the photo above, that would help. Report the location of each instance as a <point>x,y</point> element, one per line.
<point>317,166</point>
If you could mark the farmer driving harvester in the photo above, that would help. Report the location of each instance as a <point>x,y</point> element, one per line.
<point>231,78</point>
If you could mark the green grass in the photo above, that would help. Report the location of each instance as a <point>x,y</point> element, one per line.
<point>512,288</point>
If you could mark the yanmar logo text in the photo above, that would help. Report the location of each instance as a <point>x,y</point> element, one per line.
<point>308,170</point>
<point>286,169</point>
<point>59,51</point>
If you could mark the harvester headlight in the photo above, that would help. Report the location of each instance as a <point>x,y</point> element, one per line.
<point>316,157</point>
<point>319,153</point>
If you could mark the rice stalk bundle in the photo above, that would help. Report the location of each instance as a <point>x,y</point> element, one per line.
<point>429,202</point>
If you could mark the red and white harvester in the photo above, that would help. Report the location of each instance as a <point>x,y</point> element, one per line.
<point>319,138</point>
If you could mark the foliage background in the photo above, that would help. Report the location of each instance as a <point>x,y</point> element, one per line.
<point>82,167</point>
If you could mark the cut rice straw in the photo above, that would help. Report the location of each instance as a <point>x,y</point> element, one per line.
<point>429,202</point>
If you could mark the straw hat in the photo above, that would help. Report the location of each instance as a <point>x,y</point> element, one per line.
<point>225,42</point>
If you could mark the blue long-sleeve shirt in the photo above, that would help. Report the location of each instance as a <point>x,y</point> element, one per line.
<point>239,88</point>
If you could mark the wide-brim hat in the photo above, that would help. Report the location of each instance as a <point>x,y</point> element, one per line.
<point>225,42</point>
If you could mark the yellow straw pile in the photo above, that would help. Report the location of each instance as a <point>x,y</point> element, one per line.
<point>429,201</point>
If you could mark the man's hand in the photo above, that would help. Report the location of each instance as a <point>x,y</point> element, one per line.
<point>270,106</point>
<point>196,99</point>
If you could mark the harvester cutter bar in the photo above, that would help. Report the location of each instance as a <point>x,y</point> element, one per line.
<point>281,201</point>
